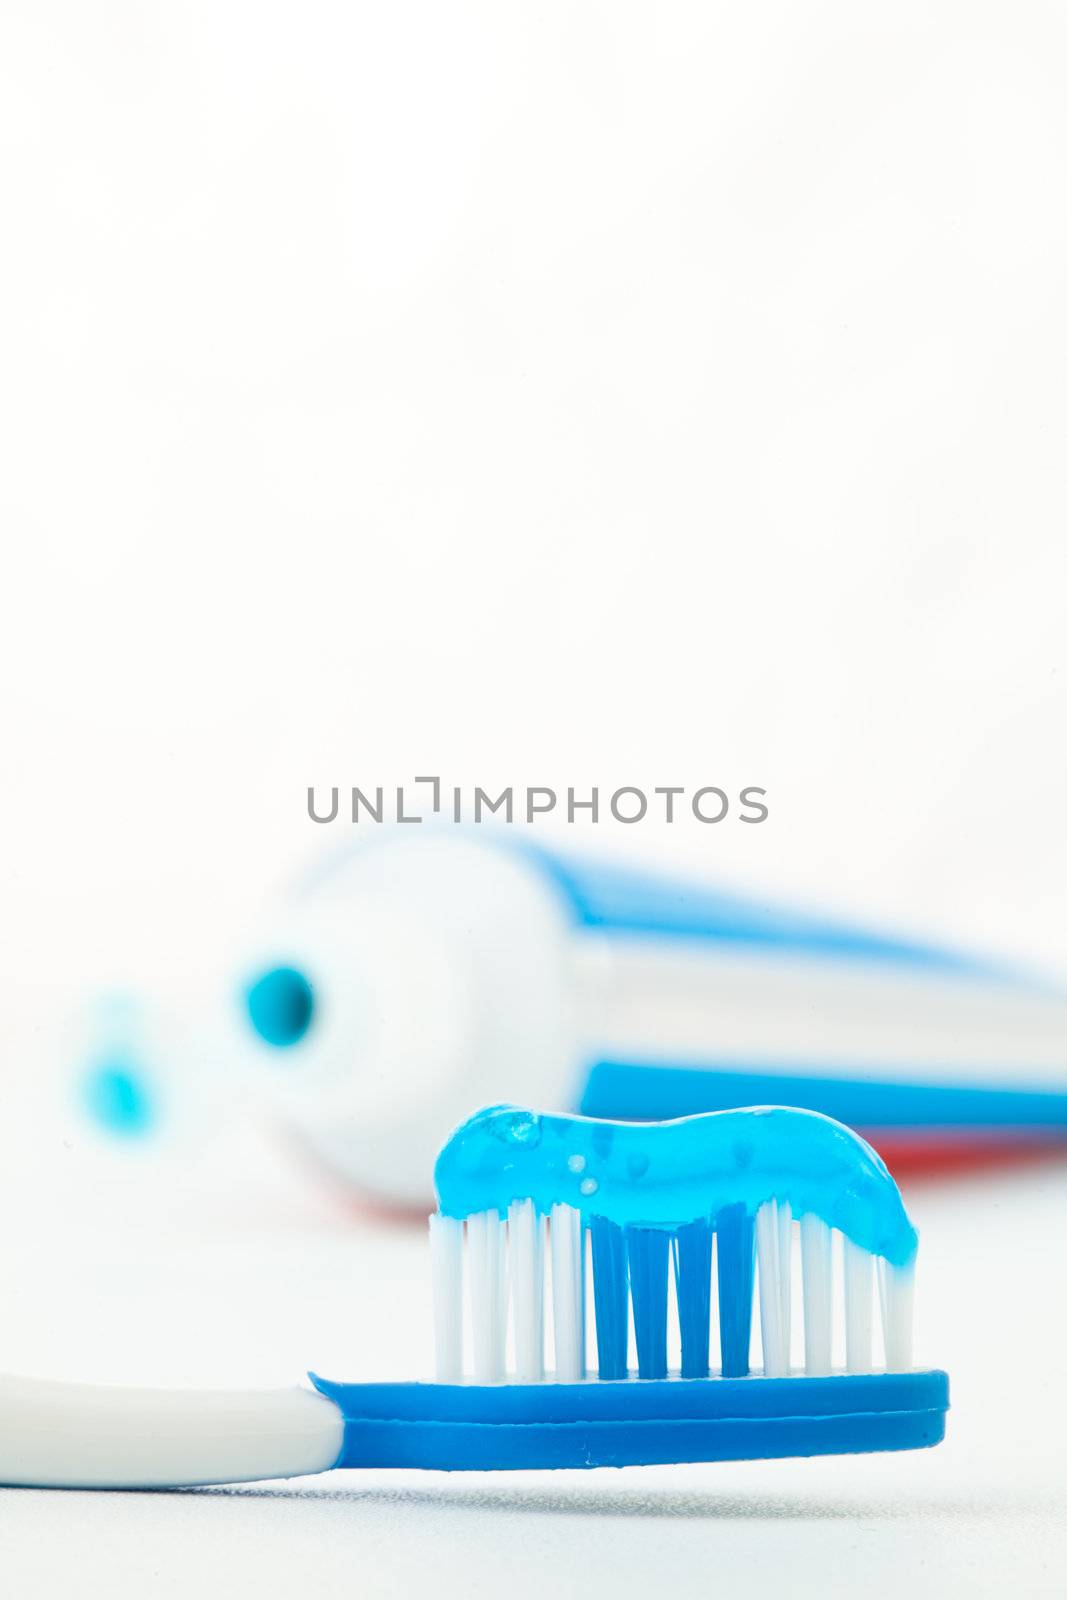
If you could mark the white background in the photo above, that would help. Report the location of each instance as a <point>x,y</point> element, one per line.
<point>574,393</point>
<point>569,394</point>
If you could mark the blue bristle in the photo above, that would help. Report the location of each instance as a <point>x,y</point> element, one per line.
<point>736,1234</point>
<point>692,1276</point>
<point>648,1250</point>
<point>609,1296</point>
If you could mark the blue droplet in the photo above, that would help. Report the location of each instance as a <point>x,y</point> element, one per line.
<point>281,1005</point>
<point>119,1099</point>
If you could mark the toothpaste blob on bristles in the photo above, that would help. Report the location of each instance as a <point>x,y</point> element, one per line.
<point>668,1174</point>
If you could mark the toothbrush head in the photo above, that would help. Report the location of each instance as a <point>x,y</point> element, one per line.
<point>652,1195</point>
<point>676,1228</point>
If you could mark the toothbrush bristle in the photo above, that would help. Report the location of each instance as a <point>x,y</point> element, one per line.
<point>693,1246</point>
<point>734,1233</point>
<point>859,1305</point>
<point>567,1240</point>
<point>526,1252</point>
<point>487,1259</point>
<point>610,1290</point>
<point>816,1264</point>
<point>730,1259</point>
<point>772,1259</point>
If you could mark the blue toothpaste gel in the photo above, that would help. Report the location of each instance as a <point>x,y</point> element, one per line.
<point>667,1174</point>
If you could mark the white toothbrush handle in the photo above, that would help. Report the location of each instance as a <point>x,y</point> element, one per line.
<point>89,1436</point>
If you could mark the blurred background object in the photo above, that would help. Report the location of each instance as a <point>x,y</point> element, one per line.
<point>423,973</point>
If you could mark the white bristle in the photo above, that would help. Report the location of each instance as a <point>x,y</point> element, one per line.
<point>446,1267</point>
<point>859,1302</point>
<point>488,1294</point>
<point>898,1298</point>
<point>817,1260</point>
<point>511,1251</point>
<point>527,1272</point>
<point>785,1273</point>
<point>674,1332</point>
<point>568,1299</point>
<point>768,1256</point>
<point>715,1333</point>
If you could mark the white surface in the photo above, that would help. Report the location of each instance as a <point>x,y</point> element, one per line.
<point>247,1276</point>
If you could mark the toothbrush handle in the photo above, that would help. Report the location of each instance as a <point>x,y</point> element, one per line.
<point>88,1436</point>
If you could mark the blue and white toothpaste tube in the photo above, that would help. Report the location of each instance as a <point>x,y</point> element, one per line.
<point>428,971</point>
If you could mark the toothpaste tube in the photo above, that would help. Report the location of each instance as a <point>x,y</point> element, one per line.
<point>429,970</point>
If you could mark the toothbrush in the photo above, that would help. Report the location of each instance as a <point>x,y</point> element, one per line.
<point>523,1200</point>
